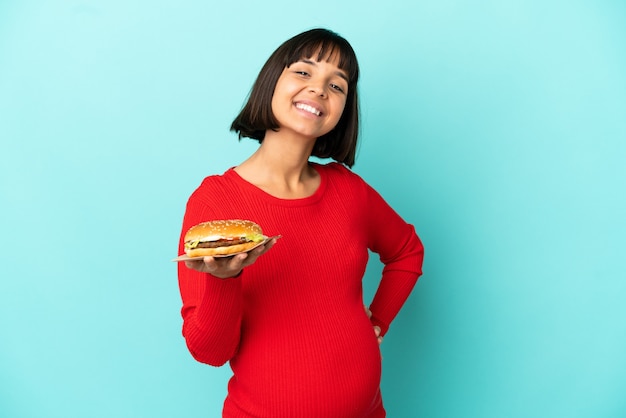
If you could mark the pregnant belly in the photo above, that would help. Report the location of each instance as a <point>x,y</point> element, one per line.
<point>308,371</point>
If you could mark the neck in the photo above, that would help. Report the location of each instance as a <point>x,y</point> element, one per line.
<point>283,154</point>
<point>280,166</point>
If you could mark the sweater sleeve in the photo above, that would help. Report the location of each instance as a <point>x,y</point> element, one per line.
<point>402,253</point>
<point>212,307</point>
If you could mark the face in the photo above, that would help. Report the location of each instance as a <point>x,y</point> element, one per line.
<point>309,97</point>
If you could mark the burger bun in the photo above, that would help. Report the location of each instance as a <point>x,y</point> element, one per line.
<point>223,229</point>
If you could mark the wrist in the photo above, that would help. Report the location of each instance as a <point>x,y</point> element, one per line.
<point>228,276</point>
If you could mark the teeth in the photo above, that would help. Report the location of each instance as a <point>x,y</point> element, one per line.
<point>308,108</point>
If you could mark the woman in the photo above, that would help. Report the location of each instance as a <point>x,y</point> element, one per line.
<point>291,321</point>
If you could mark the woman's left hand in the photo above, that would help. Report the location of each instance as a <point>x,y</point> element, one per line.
<point>376,327</point>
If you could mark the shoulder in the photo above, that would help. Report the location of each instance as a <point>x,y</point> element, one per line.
<point>345,183</point>
<point>338,172</point>
<point>214,186</point>
<point>217,197</point>
<point>214,181</point>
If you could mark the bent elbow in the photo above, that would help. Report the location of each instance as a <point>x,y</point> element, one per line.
<point>210,352</point>
<point>210,360</point>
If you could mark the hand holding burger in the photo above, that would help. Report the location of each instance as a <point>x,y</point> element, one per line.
<point>226,246</point>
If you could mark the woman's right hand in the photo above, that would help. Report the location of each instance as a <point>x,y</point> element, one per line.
<point>227,267</point>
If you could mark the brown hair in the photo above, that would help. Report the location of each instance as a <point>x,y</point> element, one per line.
<point>256,117</point>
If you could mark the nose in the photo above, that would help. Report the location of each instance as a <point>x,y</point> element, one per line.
<point>318,89</point>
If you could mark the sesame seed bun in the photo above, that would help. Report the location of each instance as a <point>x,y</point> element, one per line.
<point>222,237</point>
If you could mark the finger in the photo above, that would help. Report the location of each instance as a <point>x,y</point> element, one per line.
<point>368,312</point>
<point>262,249</point>
<point>194,264</point>
<point>210,263</point>
<point>220,265</point>
<point>377,332</point>
<point>238,262</point>
<point>199,264</point>
<point>269,244</point>
<point>257,252</point>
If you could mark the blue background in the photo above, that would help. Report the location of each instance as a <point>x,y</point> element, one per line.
<point>497,128</point>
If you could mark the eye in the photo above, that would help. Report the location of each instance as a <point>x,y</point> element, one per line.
<point>337,87</point>
<point>302,73</point>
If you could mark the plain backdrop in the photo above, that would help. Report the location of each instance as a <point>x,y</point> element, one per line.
<point>497,128</point>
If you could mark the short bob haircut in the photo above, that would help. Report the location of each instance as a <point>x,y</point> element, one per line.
<point>257,117</point>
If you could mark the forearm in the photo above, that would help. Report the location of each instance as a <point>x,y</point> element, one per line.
<point>399,276</point>
<point>212,312</point>
<point>392,293</point>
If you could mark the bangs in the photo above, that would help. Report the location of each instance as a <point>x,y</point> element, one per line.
<point>327,49</point>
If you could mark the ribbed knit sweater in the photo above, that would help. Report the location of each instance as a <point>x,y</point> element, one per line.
<point>293,325</point>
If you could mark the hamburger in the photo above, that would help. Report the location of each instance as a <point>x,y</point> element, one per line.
<point>222,238</point>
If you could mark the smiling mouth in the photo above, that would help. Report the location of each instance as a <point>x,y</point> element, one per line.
<point>308,108</point>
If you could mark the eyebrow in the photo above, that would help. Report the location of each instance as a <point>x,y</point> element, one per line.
<point>339,73</point>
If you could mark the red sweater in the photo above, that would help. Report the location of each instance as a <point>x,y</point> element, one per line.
<point>292,325</point>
